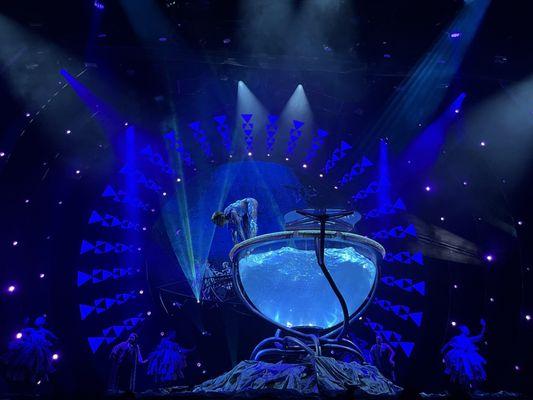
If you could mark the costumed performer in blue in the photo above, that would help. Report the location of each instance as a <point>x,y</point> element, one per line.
<point>241,216</point>
<point>463,363</point>
<point>29,355</point>
<point>383,358</point>
<point>167,362</point>
<point>125,357</point>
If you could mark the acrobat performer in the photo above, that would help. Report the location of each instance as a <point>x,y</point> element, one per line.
<point>463,363</point>
<point>241,217</point>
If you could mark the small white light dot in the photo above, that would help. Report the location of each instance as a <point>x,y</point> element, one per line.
<point>321,175</point>
<point>178,180</point>
<point>198,364</point>
<point>27,201</point>
<point>465,183</point>
<point>141,291</point>
<point>198,301</point>
<point>11,289</point>
<point>286,158</point>
<point>125,124</point>
<point>78,172</point>
<point>456,111</point>
<point>489,257</point>
<point>55,356</point>
<point>19,335</point>
<point>41,276</point>
<point>2,154</point>
<point>455,286</point>
<point>268,154</point>
<point>15,243</point>
<point>28,114</point>
<point>528,317</point>
<point>148,313</point>
<point>335,187</point>
<point>492,299</point>
<point>520,223</point>
<point>517,368</point>
<point>231,156</point>
<point>144,228</point>
<point>162,333</point>
<point>249,154</point>
<point>427,188</point>
<point>304,165</point>
<point>60,202</point>
<point>482,144</point>
<point>442,218</point>
<point>68,131</point>
<point>454,323</point>
<point>164,193</point>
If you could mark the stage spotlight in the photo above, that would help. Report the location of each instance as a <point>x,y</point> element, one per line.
<point>427,188</point>
<point>482,144</point>
<point>41,276</point>
<point>528,317</point>
<point>489,257</point>
<point>19,335</point>
<point>454,323</point>
<point>55,356</point>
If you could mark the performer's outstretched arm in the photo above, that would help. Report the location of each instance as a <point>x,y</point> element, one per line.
<point>479,337</point>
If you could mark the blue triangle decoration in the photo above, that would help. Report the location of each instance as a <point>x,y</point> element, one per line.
<point>83,278</point>
<point>85,247</point>
<point>297,124</point>
<point>220,119</point>
<point>194,126</point>
<point>109,302</point>
<point>407,347</point>
<point>420,287</point>
<point>345,146</point>
<point>411,230</point>
<point>118,329</point>
<point>106,274</point>
<point>95,343</point>
<point>417,257</point>
<point>246,117</point>
<point>399,204</point>
<point>416,317</point>
<point>85,310</point>
<point>95,217</point>
<point>109,192</point>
